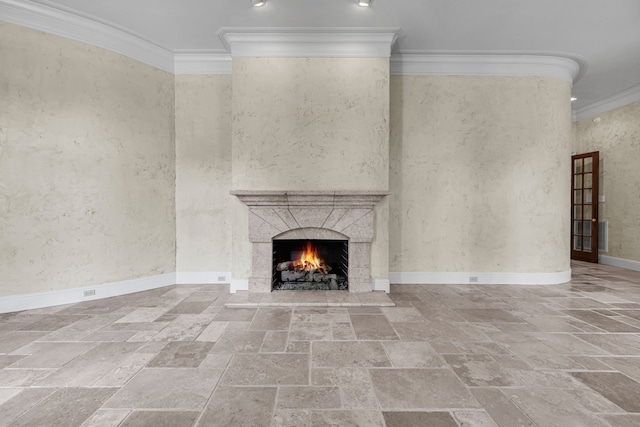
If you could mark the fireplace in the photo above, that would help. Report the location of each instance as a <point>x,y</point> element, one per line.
<point>346,216</point>
<point>310,265</point>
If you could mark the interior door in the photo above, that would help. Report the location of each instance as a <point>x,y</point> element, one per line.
<point>584,206</point>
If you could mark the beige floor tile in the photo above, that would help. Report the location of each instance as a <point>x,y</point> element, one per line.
<point>122,373</point>
<point>548,407</point>
<point>267,369</point>
<point>629,420</point>
<point>274,342</point>
<point>13,340</point>
<point>181,354</point>
<point>352,418</point>
<point>309,397</point>
<point>629,366</point>
<point>358,396</point>
<point>186,327</point>
<point>106,418</point>
<point>615,344</point>
<point>23,377</point>
<point>213,331</point>
<point>239,342</point>
<point>402,314</point>
<point>432,419</point>
<point>474,419</point>
<point>372,327</point>
<point>311,331</point>
<point>291,417</point>
<point>161,419</point>
<point>85,370</point>
<point>614,386</point>
<point>500,408</point>
<point>343,331</point>
<point>52,355</point>
<point>65,407</point>
<point>21,403</point>
<point>326,354</point>
<point>239,406</point>
<point>189,389</point>
<point>420,389</point>
<point>480,370</point>
<point>413,355</point>
<point>271,319</point>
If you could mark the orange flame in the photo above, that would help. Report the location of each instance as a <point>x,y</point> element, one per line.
<point>310,259</point>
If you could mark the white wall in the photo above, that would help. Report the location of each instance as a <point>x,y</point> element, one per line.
<point>203,173</point>
<point>310,123</point>
<point>86,165</point>
<point>616,135</point>
<point>480,174</point>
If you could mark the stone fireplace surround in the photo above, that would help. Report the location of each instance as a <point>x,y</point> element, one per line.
<point>322,215</point>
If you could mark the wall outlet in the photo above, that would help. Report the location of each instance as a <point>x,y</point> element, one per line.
<point>89,293</point>
<point>222,278</point>
<point>473,279</point>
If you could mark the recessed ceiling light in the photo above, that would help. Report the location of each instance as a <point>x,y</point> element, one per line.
<point>573,98</point>
<point>258,3</point>
<point>363,3</point>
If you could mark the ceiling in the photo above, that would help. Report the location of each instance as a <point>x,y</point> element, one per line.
<point>605,33</point>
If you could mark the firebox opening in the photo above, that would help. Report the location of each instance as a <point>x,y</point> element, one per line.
<point>310,265</point>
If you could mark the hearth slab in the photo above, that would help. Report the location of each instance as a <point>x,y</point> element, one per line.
<point>309,299</point>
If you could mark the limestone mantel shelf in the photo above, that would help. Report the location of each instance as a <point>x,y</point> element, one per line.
<point>342,198</point>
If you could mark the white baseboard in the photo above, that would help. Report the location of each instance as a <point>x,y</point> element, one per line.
<point>485,278</point>
<point>68,296</point>
<point>629,264</point>
<point>238,285</point>
<point>202,277</point>
<point>382,285</point>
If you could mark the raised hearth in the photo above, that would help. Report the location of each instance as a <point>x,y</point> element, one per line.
<point>311,215</point>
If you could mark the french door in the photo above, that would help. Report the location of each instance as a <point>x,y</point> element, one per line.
<point>584,206</point>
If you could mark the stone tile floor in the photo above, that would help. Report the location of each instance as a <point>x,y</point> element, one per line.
<point>462,355</point>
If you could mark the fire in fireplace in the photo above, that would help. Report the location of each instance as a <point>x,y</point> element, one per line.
<point>310,265</point>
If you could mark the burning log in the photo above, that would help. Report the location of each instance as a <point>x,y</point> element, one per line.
<point>283,266</point>
<point>290,276</point>
<point>297,265</point>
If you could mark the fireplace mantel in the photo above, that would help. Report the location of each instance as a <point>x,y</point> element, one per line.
<point>310,198</point>
<point>313,215</point>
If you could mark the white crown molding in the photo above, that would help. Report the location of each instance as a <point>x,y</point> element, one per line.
<point>494,63</point>
<point>485,278</point>
<point>308,42</point>
<point>629,264</point>
<point>59,22</point>
<point>69,296</point>
<point>201,62</point>
<point>608,103</point>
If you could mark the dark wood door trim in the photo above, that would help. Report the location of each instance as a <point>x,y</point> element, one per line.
<point>585,172</point>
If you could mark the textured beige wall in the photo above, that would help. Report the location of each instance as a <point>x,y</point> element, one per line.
<point>480,174</point>
<point>203,173</point>
<point>310,124</point>
<point>616,135</point>
<point>86,165</point>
